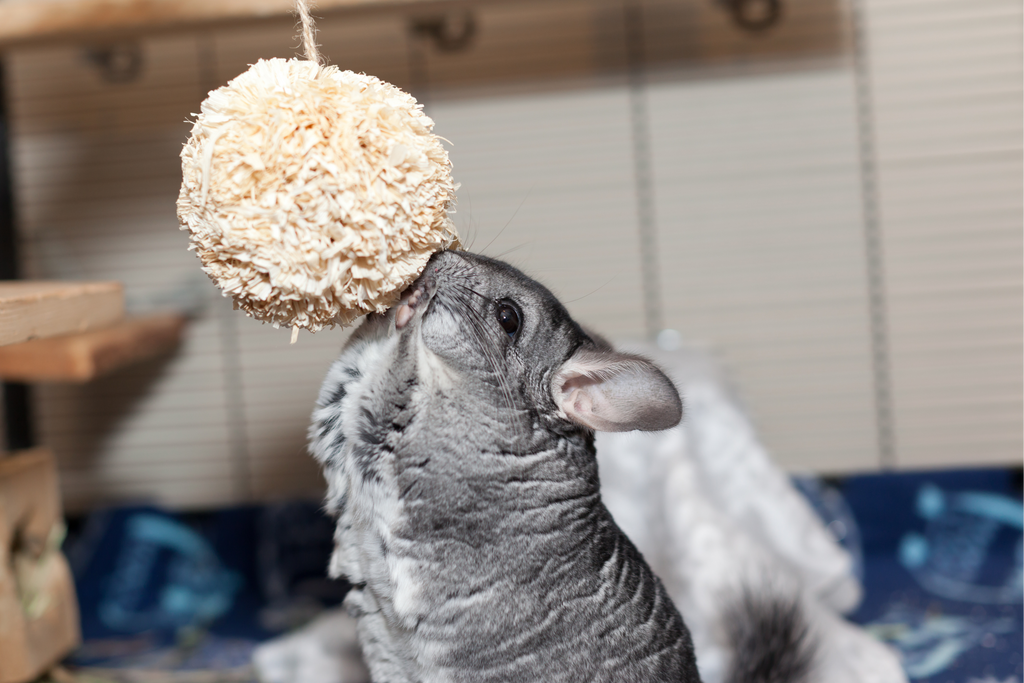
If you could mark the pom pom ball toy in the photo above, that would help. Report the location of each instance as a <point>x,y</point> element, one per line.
<point>314,195</point>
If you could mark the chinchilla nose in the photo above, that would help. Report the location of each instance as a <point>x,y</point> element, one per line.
<point>443,267</point>
<point>417,295</point>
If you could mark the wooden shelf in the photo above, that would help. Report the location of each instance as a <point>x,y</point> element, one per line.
<point>29,310</point>
<point>30,523</point>
<point>27,21</point>
<point>82,356</point>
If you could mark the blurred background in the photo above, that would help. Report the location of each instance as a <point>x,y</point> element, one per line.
<point>826,197</point>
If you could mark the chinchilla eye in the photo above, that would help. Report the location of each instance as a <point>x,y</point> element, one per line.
<point>508,318</point>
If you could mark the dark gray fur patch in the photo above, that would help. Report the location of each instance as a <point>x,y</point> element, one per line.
<point>371,432</point>
<point>366,458</point>
<point>328,424</point>
<point>771,639</point>
<point>338,394</point>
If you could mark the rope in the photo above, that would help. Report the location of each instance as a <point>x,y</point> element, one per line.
<point>308,31</point>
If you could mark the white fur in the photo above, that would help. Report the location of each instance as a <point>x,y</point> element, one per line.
<point>373,510</point>
<point>324,651</point>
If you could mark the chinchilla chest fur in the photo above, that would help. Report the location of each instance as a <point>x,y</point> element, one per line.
<point>469,517</point>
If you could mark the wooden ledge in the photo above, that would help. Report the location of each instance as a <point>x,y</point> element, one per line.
<point>32,309</point>
<point>29,21</point>
<point>83,356</point>
<point>38,609</point>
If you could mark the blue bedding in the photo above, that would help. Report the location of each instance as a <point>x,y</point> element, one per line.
<point>940,555</point>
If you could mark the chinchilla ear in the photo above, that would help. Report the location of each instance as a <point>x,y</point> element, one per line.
<point>616,392</point>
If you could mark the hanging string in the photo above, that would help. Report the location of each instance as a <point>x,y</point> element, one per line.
<point>313,55</point>
<point>308,31</point>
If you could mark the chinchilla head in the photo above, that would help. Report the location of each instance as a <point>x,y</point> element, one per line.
<point>514,349</point>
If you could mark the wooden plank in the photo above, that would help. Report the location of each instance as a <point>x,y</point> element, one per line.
<point>38,610</point>
<point>27,21</point>
<point>82,356</point>
<point>33,309</point>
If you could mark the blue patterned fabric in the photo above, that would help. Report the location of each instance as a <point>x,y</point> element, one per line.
<point>940,555</point>
<point>942,570</point>
<point>197,591</point>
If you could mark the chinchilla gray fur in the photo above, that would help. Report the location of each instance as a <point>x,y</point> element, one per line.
<point>456,433</point>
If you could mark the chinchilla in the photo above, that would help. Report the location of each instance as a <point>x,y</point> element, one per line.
<point>456,433</point>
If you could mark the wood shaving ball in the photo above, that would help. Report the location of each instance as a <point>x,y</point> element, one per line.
<point>314,195</point>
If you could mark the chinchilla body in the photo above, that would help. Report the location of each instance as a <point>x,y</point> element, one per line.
<point>456,433</point>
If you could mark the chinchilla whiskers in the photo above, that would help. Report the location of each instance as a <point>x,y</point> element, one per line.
<point>475,324</point>
<point>469,289</point>
<point>478,328</point>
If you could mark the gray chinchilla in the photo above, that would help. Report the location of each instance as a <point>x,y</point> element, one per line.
<point>456,434</point>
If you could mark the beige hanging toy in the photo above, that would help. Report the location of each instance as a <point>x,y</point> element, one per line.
<point>314,195</point>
